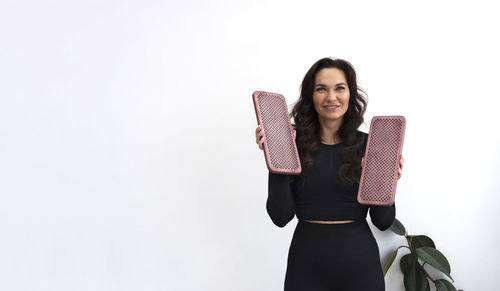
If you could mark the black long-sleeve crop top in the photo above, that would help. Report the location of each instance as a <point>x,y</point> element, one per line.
<point>323,196</point>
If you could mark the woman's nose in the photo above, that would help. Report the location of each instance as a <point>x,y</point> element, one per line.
<point>331,95</point>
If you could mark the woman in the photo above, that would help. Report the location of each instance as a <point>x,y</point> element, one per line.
<point>332,247</point>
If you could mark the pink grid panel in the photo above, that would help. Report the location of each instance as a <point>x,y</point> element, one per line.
<point>280,150</point>
<point>379,175</point>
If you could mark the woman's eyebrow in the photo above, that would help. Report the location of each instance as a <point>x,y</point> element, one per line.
<point>323,85</point>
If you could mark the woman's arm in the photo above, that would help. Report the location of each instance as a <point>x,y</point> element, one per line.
<point>280,200</point>
<point>383,216</point>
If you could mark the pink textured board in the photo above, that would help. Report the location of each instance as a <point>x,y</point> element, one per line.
<point>280,150</point>
<point>379,176</point>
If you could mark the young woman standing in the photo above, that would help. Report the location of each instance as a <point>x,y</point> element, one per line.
<point>332,247</point>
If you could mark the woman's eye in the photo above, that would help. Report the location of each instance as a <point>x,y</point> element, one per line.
<point>340,88</point>
<point>319,89</point>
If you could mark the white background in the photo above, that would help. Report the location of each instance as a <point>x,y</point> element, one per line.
<point>127,149</point>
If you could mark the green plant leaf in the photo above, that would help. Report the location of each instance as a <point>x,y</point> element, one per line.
<point>397,227</point>
<point>427,286</point>
<point>434,258</point>
<point>389,262</point>
<point>419,241</point>
<point>415,279</point>
<point>444,285</point>
<point>406,262</point>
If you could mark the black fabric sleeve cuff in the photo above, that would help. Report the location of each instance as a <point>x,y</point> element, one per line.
<point>280,201</point>
<point>383,216</point>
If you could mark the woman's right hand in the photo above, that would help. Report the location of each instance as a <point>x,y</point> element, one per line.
<point>260,138</point>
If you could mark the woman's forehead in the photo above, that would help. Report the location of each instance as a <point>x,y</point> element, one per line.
<point>330,76</point>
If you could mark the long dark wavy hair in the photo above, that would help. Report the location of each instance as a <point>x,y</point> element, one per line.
<point>306,121</point>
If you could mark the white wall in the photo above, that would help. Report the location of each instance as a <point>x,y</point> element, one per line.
<point>127,152</point>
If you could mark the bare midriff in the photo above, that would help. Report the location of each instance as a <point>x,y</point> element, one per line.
<point>329,222</point>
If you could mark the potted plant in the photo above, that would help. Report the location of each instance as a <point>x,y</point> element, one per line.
<point>422,249</point>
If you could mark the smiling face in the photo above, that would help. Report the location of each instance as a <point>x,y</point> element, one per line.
<point>331,94</point>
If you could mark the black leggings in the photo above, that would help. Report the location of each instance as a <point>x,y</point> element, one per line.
<point>334,257</point>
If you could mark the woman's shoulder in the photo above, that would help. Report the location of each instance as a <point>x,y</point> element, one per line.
<point>365,139</point>
<point>364,134</point>
<point>361,132</point>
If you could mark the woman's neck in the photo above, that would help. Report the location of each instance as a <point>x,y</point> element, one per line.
<point>329,131</point>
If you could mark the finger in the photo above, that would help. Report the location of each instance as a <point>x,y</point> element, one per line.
<point>261,143</point>
<point>400,170</point>
<point>259,127</point>
<point>258,135</point>
<point>258,130</point>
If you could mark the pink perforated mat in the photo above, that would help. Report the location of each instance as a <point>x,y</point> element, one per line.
<point>280,150</point>
<point>379,175</point>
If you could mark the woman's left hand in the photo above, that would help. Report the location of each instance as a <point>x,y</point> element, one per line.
<point>401,162</point>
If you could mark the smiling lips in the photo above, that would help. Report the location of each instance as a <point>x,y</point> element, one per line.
<point>332,107</point>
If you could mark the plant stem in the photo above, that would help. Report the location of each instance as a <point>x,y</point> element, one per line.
<point>409,241</point>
